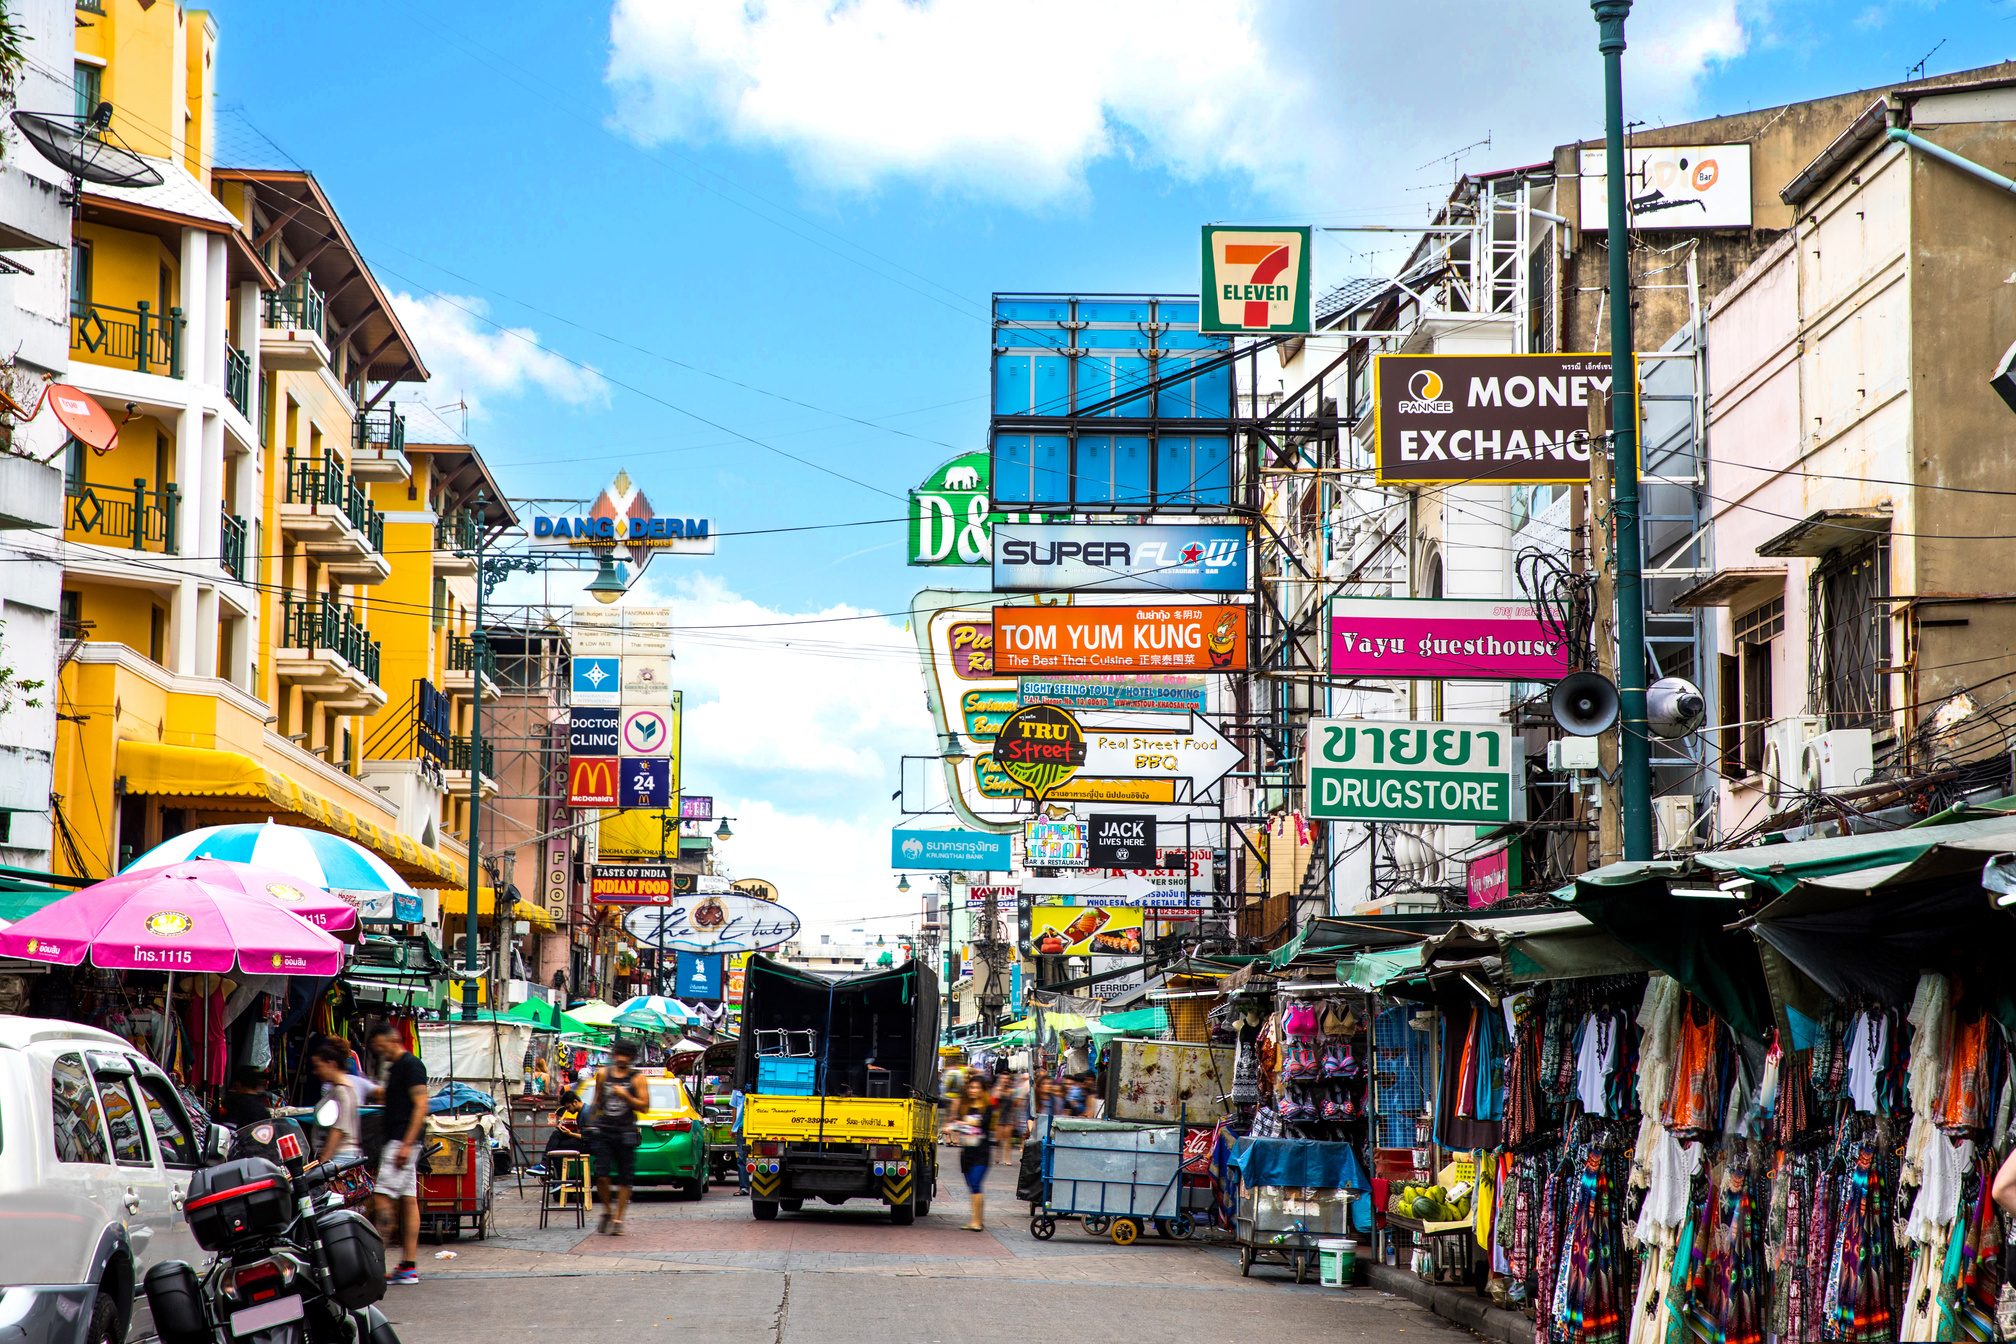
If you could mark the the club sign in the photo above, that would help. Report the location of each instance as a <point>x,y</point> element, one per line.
<point>1361,770</point>
<point>721,922</point>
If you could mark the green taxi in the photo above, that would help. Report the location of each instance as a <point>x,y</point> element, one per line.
<point>673,1149</point>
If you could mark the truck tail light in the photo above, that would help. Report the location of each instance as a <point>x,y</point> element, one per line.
<point>884,1150</point>
<point>769,1149</point>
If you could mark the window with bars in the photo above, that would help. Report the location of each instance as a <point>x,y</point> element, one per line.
<point>1747,686</point>
<point>1850,636</point>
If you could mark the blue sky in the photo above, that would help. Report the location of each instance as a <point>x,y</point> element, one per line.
<point>720,231</point>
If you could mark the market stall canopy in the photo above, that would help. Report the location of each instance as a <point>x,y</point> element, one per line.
<point>1368,970</point>
<point>1141,1022</point>
<point>594,1014</point>
<point>1860,910</point>
<point>1550,945</point>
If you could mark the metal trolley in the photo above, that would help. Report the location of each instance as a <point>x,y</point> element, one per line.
<point>1282,1224</point>
<point>1116,1177</point>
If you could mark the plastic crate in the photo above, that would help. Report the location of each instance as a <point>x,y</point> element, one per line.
<point>787,1076</point>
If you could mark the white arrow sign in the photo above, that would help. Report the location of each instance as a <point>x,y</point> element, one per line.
<point>1140,748</point>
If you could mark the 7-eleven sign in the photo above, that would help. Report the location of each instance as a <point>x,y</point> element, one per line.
<point>1255,280</point>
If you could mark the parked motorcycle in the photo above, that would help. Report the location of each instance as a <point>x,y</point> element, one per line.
<point>292,1265</point>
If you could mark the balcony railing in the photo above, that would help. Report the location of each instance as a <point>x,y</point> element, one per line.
<point>231,545</point>
<point>326,482</point>
<point>238,379</point>
<point>138,517</point>
<point>455,531</point>
<point>381,431</point>
<point>458,756</point>
<point>321,624</point>
<point>461,654</point>
<point>297,305</point>
<point>141,338</point>
<point>91,6</point>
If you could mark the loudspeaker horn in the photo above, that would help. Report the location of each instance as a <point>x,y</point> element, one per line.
<point>1583,703</point>
<point>1674,707</point>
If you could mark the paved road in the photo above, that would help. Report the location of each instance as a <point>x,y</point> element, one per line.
<point>838,1275</point>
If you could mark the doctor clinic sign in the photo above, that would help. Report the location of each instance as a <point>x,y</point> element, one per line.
<point>1361,770</point>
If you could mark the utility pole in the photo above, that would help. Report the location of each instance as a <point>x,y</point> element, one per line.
<point>993,991</point>
<point>1602,551</point>
<point>1635,747</point>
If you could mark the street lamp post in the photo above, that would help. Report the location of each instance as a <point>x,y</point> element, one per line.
<point>1634,747</point>
<point>491,570</point>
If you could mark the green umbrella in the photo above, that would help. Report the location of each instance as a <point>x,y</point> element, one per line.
<point>647,1020</point>
<point>548,1017</point>
<point>595,1014</point>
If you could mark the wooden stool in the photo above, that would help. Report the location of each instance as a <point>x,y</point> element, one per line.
<point>566,1174</point>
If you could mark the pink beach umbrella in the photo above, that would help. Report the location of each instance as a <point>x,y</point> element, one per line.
<point>203,916</point>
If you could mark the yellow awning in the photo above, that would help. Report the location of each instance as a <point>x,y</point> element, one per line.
<point>455,901</point>
<point>536,914</point>
<point>160,770</point>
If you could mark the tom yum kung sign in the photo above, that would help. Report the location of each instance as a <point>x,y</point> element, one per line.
<point>1360,770</point>
<point>1444,639</point>
<point>1503,419</point>
<point>1119,639</point>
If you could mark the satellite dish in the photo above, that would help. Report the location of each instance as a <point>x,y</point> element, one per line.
<point>74,145</point>
<point>1583,703</point>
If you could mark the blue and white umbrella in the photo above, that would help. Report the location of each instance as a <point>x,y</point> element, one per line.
<point>652,1012</point>
<point>315,857</point>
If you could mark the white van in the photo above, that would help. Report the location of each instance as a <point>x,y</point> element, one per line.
<point>96,1152</point>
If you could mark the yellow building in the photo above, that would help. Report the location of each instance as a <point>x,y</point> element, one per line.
<point>260,578</point>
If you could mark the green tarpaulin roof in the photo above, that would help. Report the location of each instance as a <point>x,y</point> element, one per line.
<point>1120,1024</point>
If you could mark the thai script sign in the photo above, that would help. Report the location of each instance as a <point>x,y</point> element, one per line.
<point>1443,639</point>
<point>980,851</point>
<point>1394,770</point>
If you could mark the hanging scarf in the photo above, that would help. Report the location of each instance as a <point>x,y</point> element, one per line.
<point>1860,1306</point>
<point>1594,1294</point>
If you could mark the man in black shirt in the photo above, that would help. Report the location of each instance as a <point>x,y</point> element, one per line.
<point>248,1100</point>
<point>403,1112</point>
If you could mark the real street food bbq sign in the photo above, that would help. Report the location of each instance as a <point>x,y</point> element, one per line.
<point>1119,639</point>
<point>1502,419</point>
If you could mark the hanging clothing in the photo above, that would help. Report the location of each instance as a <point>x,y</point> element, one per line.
<point>1595,1056</point>
<point>1673,1166</point>
<point>204,1017</point>
<point>1868,1049</point>
<point>1964,1103</point>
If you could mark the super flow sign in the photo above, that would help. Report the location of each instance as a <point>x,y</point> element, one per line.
<point>1360,770</point>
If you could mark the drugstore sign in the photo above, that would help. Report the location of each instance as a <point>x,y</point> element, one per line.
<point>1362,770</point>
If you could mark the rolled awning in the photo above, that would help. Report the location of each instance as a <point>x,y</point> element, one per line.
<point>203,773</point>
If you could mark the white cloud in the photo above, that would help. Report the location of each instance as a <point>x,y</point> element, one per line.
<point>1308,102</point>
<point>797,731</point>
<point>471,358</point>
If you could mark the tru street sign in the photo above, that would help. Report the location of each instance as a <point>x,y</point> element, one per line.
<point>1360,770</point>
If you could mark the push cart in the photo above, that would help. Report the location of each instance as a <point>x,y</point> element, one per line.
<point>1114,1176</point>
<point>455,1177</point>
<point>1292,1194</point>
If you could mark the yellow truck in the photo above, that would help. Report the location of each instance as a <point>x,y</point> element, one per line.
<point>840,1085</point>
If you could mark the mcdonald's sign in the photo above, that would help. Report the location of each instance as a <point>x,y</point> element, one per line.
<point>591,781</point>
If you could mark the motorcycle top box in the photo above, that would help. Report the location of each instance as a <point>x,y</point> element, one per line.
<point>247,1198</point>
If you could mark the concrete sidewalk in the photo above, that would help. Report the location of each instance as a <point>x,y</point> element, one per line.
<point>1461,1306</point>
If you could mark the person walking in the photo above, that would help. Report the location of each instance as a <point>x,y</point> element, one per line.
<point>402,1111</point>
<point>620,1092</point>
<point>330,1062</point>
<point>974,1122</point>
<point>740,1103</point>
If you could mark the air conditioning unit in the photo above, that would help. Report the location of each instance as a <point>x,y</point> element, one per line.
<point>1785,755</point>
<point>455,959</point>
<point>1674,814</point>
<point>1838,760</point>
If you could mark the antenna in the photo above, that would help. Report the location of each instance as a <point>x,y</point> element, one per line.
<point>1918,71</point>
<point>1456,154</point>
<point>88,150</point>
